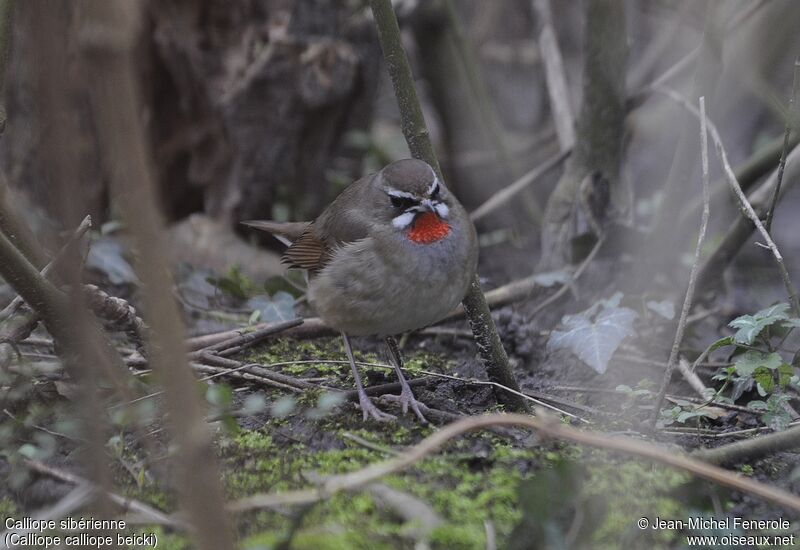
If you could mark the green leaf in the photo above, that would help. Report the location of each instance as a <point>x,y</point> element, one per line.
<point>766,382</point>
<point>748,362</point>
<point>686,415</point>
<point>777,417</point>
<point>792,323</point>
<point>722,342</point>
<point>785,373</point>
<point>29,451</point>
<point>750,326</point>
<point>757,405</point>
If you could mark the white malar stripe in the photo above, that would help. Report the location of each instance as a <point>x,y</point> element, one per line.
<point>441,209</point>
<point>403,220</point>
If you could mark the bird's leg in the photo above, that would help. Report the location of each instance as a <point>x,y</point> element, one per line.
<point>367,406</point>
<point>406,395</point>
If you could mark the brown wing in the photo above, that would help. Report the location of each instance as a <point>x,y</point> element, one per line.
<point>344,221</point>
<point>307,252</point>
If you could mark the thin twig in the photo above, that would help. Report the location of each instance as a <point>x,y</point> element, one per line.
<point>108,38</point>
<point>698,401</point>
<point>235,373</point>
<point>544,427</point>
<point>555,77</point>
<point>244,340</point>
<point>686,60</point>
<point>76,499</point>
<point>370,445</point>
<point>785,149</point>
<point>750,449</point>
<point>505,194</point>
<point>116,310</point>
<point>745,206</point>
<point>693,380</point>
<point>152,515</point>
<point>575,276</point>
<point>741,228</point>
<point>488,120</point>
<point>81,230</point>
<point>689,297</point>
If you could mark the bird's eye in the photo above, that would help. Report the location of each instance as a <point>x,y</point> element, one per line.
<point>402,202</point>
<point>435,192</point>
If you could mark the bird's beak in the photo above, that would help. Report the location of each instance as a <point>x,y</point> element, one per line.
<point>428,205</point>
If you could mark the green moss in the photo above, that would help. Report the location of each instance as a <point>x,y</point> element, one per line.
<point>458,537</point>
<point>7,508</point>
<point>464,495</point>
<point>315,539</point>
<point>631,490</point>
<point>166,541</point>
<point>284,350</point>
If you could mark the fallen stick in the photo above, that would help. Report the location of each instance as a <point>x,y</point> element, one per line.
<point>752,448</point>
<point>151,514</point>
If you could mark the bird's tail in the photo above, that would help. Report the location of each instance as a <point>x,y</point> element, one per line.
<point>286,232</point>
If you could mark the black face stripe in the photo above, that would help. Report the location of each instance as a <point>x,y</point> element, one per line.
<point>435,190</point>
<point>403,202</point>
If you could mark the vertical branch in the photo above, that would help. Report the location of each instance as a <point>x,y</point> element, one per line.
<point>487,114</point>
<point>87,354</point>
<point>598,140</point>
<point>16,229</point>
<point>784,151</point>
<point>687,301</point>
<point>419,143</point>
<point>10,224</point>
<point>108,36</point>
<point>555,77</point>
<point>6,12</point>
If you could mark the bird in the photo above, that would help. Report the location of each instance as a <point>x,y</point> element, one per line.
<point>394,252</point>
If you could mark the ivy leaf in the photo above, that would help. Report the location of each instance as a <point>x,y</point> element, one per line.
<point>747,363</point>
<point>750,326</point>
<point>552,278</point>
<point>665,308</point>
<point>278,307</point>
<point>107,256</point>
<point>594,339</point>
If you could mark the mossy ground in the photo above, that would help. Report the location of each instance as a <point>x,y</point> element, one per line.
<point>472,481</point>
<point>475,480</point>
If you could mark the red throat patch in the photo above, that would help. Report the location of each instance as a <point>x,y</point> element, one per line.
<point>428,228</point>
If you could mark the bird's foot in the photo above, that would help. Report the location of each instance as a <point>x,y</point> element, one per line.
<point>407,400</point>
<point>370,410</point>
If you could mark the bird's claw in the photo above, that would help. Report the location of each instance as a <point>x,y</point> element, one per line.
<point>407,399</point>
<point>370,410</point>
